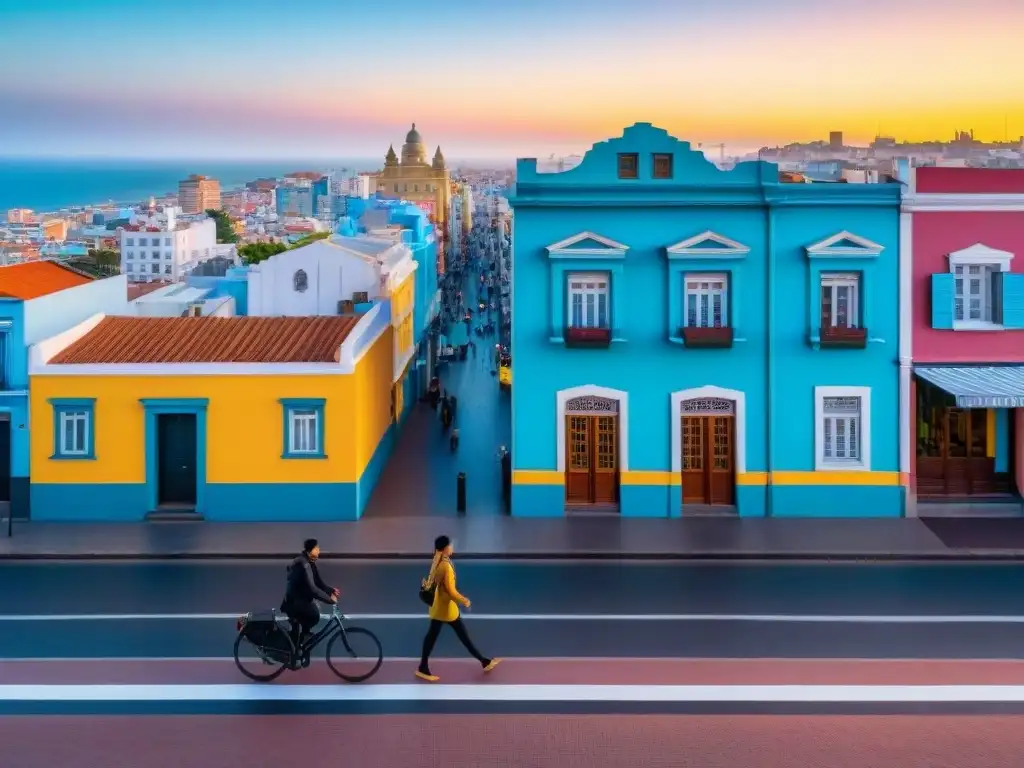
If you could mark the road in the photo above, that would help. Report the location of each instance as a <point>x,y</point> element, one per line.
<point>687,664</point>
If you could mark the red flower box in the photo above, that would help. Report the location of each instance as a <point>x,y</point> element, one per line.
<point>836,336</point>
<point>708,338</point>
<point>588,337</point>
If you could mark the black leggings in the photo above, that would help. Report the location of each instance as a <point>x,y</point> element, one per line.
<point>434,631</point>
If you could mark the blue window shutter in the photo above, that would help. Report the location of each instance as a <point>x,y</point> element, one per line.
<point>942,300</point>
<point>1013,300</point>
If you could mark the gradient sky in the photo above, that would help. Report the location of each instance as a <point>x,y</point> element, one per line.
<point>336,78</point>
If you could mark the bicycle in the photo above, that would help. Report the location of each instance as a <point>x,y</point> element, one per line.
<point>274,646</point>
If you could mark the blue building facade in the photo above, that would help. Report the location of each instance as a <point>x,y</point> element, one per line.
<point>687,339</point>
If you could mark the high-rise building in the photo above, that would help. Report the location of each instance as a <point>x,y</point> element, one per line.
<point>198,193</point>
<point>835,140</point>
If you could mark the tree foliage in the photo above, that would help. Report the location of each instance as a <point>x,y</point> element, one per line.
<point>225,232</point>
<point>310,238</point>
<point>254,253</point>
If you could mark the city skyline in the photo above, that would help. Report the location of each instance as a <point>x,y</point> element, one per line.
<point>257,79</point>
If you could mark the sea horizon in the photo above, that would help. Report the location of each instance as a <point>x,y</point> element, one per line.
<point>50,183</point>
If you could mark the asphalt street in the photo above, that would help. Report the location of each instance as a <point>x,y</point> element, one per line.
<point>187,610</point>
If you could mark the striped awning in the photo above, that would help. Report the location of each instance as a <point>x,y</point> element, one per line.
<point>978,386</point>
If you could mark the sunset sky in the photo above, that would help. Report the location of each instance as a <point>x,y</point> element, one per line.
<point>334,78</point>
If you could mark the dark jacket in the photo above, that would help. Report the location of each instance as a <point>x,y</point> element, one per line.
<point>304,583</point>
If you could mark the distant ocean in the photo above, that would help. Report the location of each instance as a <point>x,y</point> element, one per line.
<point>50,184</point>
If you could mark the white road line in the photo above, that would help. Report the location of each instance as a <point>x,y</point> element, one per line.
<point>593,617</point>
<point>518,693</point>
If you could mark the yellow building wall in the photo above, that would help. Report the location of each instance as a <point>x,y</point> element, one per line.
<point>402,298</point>
<point>244,423</point>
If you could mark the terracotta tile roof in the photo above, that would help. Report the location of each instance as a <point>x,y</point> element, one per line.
<point>135,290</point>
<point>135,340</point>
<point>33,279</point>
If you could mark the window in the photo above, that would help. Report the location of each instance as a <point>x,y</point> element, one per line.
<point>662,166</point>
<point>303,429</point>
<point>842,428</point>
<point>154,268</point>
<point>156,254</point>
<point>973,292</point>
<point>143,241</point>
<point>167,241</point>
<point>840,296</point>
<point>129,255</point>
<point>629,165</point>
<point>706,301</point>
<point>130,267</point>
<point>168,255</point>
<point>589,300</point>
<point>167,269</point>
<point>129,241</point>
<point>73,429</point>
<point>300,281</point>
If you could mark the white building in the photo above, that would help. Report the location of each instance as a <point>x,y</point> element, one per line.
<point>163,247</point>
<point>181,300</point>
<point>323,277</point>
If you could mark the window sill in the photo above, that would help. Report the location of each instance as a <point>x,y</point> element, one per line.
<point>594,338</point>
<point>304,456</point>
<point>976,325</point>
<point>817,342</point>
<point>65,457</point>
<point>682,342</point>
<point>852,466</point>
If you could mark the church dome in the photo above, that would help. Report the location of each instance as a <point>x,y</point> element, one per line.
<point>413,151</point>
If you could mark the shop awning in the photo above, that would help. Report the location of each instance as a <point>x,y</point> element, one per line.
<point>978,386</point>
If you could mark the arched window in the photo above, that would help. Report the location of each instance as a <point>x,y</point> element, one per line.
<point>300,281</point>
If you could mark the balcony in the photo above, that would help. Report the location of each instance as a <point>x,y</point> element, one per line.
<point>843,338</point>
<point>588,337</point>
<point>706,338</point>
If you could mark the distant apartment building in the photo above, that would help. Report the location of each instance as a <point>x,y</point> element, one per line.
<point>198,193</point>
<point>301,195</point>
<point>835,140</point>
<point>166,249</point>
<point>21,216</point>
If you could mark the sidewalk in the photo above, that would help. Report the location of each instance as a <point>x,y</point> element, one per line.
<point>494,537</point>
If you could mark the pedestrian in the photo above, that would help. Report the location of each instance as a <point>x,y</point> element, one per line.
<point>445,610</point>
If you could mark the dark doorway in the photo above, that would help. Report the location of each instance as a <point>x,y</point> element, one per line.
<point>5,460</point>
<point>176,459</point>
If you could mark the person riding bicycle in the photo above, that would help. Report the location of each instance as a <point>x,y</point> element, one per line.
<point>304,588</point>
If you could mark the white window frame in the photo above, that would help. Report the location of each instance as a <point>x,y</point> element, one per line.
<point>80,423</point>
<point>978,256</point>
<point>310,417</point>
<point>863,462</point>
<point>605,288</point>
<point>851,280</point>
<point>709,294</point>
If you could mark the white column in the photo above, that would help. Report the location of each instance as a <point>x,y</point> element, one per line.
<point>906,352</point>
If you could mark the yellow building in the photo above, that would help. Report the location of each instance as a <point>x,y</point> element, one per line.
<point>413,178</point>
<point>236,419</point>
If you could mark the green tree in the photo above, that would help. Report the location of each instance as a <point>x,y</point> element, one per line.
<point>104,257</point>
<point>310,238</point>
<point>254,253</point>
<point>225,232</point>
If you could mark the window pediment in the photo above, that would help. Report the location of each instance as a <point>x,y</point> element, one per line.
<point>844,244</point>
<point>587,245</point>
<point>706,245</point>
<point>980,253</point>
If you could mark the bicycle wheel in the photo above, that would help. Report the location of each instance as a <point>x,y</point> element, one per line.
<point>355,654</point>
<point>249,663</point>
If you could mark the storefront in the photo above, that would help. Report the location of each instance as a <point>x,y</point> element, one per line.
<point>967,423</point>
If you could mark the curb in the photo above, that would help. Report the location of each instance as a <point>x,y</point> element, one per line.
<point>951,556</point>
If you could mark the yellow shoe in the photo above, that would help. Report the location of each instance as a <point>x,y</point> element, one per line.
<point>492,665</point>
<point>428,678</point>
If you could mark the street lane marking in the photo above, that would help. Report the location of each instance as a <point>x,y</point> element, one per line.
<point>526,693</point>
<point>641,617</point>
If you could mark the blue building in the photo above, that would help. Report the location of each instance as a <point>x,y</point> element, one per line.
<point>363,216</point>
<point>38,299</point>
<point>687,339</point>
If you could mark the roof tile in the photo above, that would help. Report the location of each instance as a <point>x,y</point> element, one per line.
<point>32,279</point>
<point>139,340</point>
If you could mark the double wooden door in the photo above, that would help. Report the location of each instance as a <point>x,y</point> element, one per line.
<point>708,453</point>
<point>592,460</point>
<point>953,455</point>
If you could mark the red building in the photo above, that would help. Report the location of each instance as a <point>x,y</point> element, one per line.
<point>962,342</point>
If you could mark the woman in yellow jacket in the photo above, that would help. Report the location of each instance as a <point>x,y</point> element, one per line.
<point>445,610</point>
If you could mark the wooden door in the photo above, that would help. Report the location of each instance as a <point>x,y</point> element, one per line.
<point>708,452</point>
<point>592,451</point>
